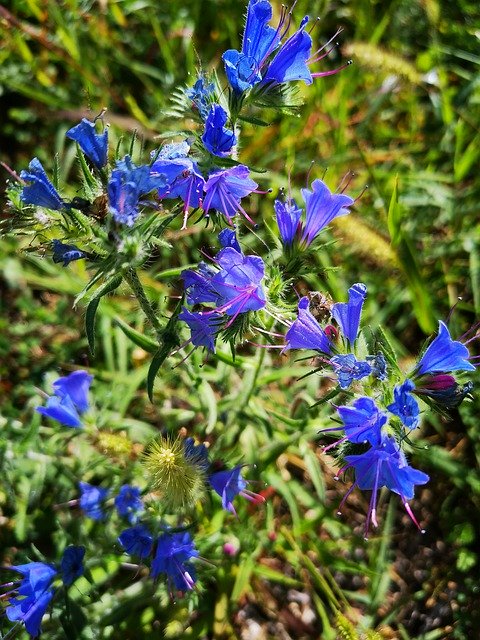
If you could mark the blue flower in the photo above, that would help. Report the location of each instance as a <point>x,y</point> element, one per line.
<point>196,454</point>
<point>228,484</point>
<point>198,284</point>
<point>41,191</point>
<point>125,187</point>
<point>217,138</point>
<point>91,500</point>
<point>200,95</point>
<point>347,314</point>
<point>363,421</point>
<point>76,385</point>
<point>174,550</point>
<point>306,333</point>
<point>94,145</point>
<point>288,216</point>
<point>259,41</point>
<point>348,369</point>
<point>203,327</point>
<point>36,592</point>
<point>224,190</point>
<point>228,238</point>
<point>238,283</point>
<point>128,503</point>
<point>137,541</point>
<point>379,365</point>
<point>404,405</point>
<point>62,410</point>
<point>66,253</point>
<point>291,61</point>
<point>235,288</point>
<point>385,466</point>
<point>444,354</point>
<point>71,564</point>
<point>321,208</point>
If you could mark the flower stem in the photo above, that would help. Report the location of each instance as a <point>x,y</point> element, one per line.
<point>136,286</point>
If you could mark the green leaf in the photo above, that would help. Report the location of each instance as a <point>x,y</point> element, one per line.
<point>140,339</point>
<point>169,337</point>
<point>109,286</point>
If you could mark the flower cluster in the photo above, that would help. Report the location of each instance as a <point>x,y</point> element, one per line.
<point>29,598</point>
<point>375,422</point>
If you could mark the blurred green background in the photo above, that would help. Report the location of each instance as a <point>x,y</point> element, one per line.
<point>407,112</point>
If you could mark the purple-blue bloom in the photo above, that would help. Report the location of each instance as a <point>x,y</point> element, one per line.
<point>348,369</point>
<point>444,354</point>
<point>174,550</point>
<point>379,365</point>
<point>363,421</point>
<point>288,216</point>
<point>62,410</point>
<point>217,138</point>
<point>91,500</point>
<point>203,327</point>
<point>66,253</point>
<point>306,333</point>
<point>228,484</point>
<point>404,405</point>
<point>259,41</point>
<point>224,189</point>
<point>36,592</point>
<point>235,288</point>
<point>94,145</point>
<point>200,94</point>
<point>291,60</point>
<point>348,314</point>
<point>71,564</point>
<point>129,503</point>
<point>137,541</point>
<point>384,466</point>
<point>41,191</point>
<point>196,454</point>
<point>76,385</point>
<point>322,207</point>
<point>125,187</point>
<point>238,283</point>
<point>228,238</point>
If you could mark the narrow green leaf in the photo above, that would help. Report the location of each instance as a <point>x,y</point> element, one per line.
<point>140,339</point>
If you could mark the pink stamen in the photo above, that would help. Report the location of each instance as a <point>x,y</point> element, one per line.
<point>322,74</point>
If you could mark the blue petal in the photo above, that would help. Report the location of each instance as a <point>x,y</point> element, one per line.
<point>305,332</point>
<point>405,406</point>
<point>94,145</point>
<point>71,564</point>
<point>217,138</point>
<point>288,216</point>
<point>348,314</point>
<point>61,409</point>
<point>291,61</point>
<point>66,253</point>
<point>444,354</point>
<point>321,208</point>
<point>41,191</point>
<point>76,385</point>
<point>137,541</point>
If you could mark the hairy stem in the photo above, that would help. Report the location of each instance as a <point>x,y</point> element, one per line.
<point>136,286</point>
